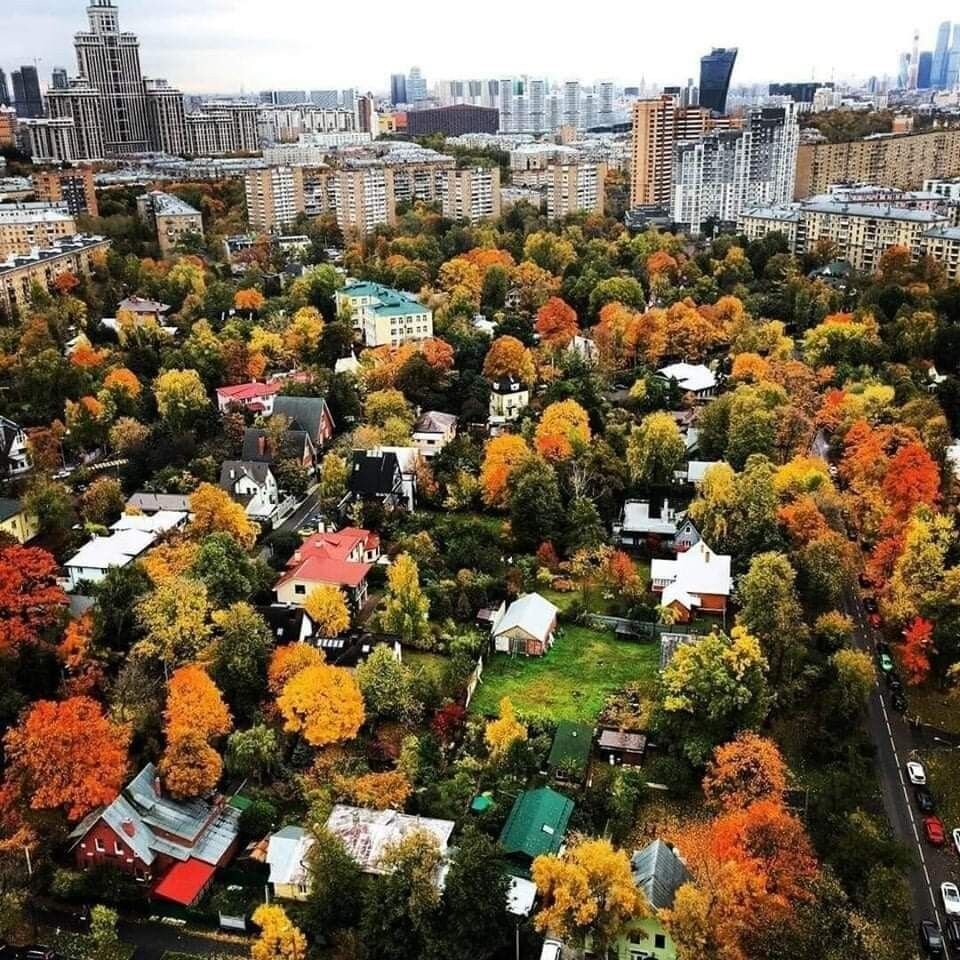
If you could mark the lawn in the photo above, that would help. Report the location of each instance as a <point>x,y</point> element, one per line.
<point>943,776</point>
<point>939,708</point>
<point>572,681</point>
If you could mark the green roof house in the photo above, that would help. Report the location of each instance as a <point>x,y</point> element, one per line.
<point>536,825</point>
<point>570,753</point>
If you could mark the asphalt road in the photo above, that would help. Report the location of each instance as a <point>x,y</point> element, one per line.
<point>895,743</point>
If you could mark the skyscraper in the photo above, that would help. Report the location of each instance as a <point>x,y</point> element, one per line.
<point>571,103</point>
<point>83,104</point>
<point>953,61</point>
<point>398,88</point>
<point>938,70</point>
<point>605,114</point>
<point>914,62</point>
<point>26,92</point>
<point>4,90</point>
<point>110,62</point>
<point>416,86</point>
<point>716,69</point>
<point>58,78</point>
<point>925,71</point>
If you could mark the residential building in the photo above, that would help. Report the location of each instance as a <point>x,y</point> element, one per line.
<point>698,580</point>
<point>291,124</point>
<point>43,266</point>
<point>310,414</point>
<point>252,484</point>
<point>575,187</point>
<point>802,92</point>
<point>618,746</point>
<point>287,623</point>
<point>471,194</point>
<point>695,378</point>
<point>416,86</point>
<point>26,226</point>
<point>58,78</point>
<point>375,475</point>
<point>151,503</point>
<point>275,198</point>
<point>16,521</point>
<point>174,847</point>
<point>365,198</point>
<point>716,68</point>
<point>109,60</point>
<point>73,186</point>
<point>453,121</point>
<point>287,851</point>
<point>942,243</point>
<point>642,526</point>
<point>143,312</point>
<point>8,127</point>
<point>51,140</point>
<point>569,757</point>
<point>26,92</point>
<point>256,397</point>
<point>384,316</point>
<point>259,445</point>
<point>903,161</point>
<point>4,90</point>
<point>509,397</point>
<point>535,827</point>
<point>82,103</point>
<point>100,554</point>
<point>166,118</point>
<point>526,627</point>
<point>171,218</point>
<point>341,559</point>
<point>433,431</point>
<point>223,127</point>
<point>14,449</point>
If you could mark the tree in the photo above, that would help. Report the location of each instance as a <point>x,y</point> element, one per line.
<point>240,656</point>
<point>194,705</point>
<point>225,567</point>
<point>387,687</point>
<point>406,608</point>
<point>501,456</point>
<point>655,450</point>
<point>549,251</point>
<point>563,426</point>
<point>556,323</point>
<point>253,753</point>
<point>855,679</point>
<point>324,704</point>
<point>505,731</point>
<point>214,512</point>
<point>912,478</point>
<point>190,767</point>
<point>747,769</point>
<point>175,621</point>
<point>334,885</point>
<point>103,928</point>
<point>302,337</point>
<point>103,501</point>
<point>66,755</point>
<point>916,649</point>
<point>508,357</point>
<point>536,507</point>
<point>123,384</point>
<point>115,619</point>
<point>713,687</point>
<point>332,480</point>
<point>279,939</point>
<point>31,601</point>
<point>588,890</point>
<point>181,398</point>
<point>249,300</point>
<point>287,661</point>
<point>51,502</point>
<point>326,606</point>
<point>128,436</point>
<point>380,791</point>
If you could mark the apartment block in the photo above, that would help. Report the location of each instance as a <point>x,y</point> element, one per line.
<point>365,198</point>
<point>73,186</point>
<point>221,128</point>
<point>384,316</point>
<point>575,187</point>
<point>171,218</point>
<point>83,104</point>
<point>26,226</point>
<point>904,161</point>
<point>275,198</point>
<point>166,118</point>
<point>472,194</point>
<point>50,140</point>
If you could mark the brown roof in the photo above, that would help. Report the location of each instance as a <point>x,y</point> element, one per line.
<point>623,740</point>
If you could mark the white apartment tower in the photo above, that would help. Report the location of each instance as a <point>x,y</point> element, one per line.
<point>82,103</point>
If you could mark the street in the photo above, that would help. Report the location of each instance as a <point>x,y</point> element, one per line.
<point>895,742</point>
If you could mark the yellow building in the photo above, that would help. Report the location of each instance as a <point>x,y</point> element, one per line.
<point>25,226</point>
<point>16,522</point>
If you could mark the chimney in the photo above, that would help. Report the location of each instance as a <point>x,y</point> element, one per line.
<point>157,787</point>
<point>261,445</point>
<point>128,827</point>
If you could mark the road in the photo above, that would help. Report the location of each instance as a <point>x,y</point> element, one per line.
<point>895,742</point>
<point>294,522</point>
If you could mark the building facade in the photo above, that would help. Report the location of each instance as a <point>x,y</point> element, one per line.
<point>716,68</point>
<point>365,198</point>
<point>384,316</point>
<point>73,186</point>
<point>171,218</point>
<point>166,118</point>
<point>25,226</point>
<point>26,92</point>
<point>575,187</point>
<point>275,198</point>
<point>453,121</point>
<point>82,103</point>
<point>472,194</point>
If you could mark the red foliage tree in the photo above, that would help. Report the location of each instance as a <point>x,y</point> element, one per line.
<point>557,322</point>
<point>30,599</point>
<point>912,478</point>
<point>916,649</point>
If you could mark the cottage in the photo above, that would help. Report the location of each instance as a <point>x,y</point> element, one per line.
<point>569,757</point>
<point>641,526</point>
<point>143,311</point>
<point>698,580</point>
<point>526,627</point>
<point>14,451</point>
<point>253,485</point>
<point>536,826</point>
<point>342,559</point>
<point>287,851</point>
<point>509,397</point>
<point>622,746</point>
<point>376,475</point>
<point>16,521</point>
<point>695,471</point>
<point>100,554</point>
<point>174,846</point>
<point>433,431</point>
<point>296,445</point>
<point>148,503</point>
<point>695,378</point>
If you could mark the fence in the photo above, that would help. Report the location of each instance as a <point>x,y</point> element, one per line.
<point>641,629</point>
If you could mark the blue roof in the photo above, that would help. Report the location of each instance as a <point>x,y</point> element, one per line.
<point>391,302</point>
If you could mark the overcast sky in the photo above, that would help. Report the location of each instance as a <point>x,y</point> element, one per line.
<point>227,45</point>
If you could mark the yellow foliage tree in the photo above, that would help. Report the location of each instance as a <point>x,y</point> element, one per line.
<point>503,732</point>
<point>286,662</point>
<point>562,425</point>
<point>195,705</point>
<point>173,558</point>
<point>323,703</point>
<point>180,396</point>
<point>379,791</point>
<point>176,621</point>
<point>190,767</point>
<point>279,938</point>
<point>302,337</point>
<point>214,512</point>
<point>501,457</point>
<point>327,608</point>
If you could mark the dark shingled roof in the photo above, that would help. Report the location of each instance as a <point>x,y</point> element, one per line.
<point>9,508</point>
<point>374,474</point>
<point>256,447</point>
<point>258,472</point>
<point>659,872</point>
<point>570,752</point>
<point>284,620</point>
<point>305,413</point>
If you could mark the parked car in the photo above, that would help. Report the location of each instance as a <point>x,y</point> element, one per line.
<point>894,682</point>
<point>916,773</point>
<point>952,930</point>
<point>951,899</point>
<point>870,603</point>
<point>551,949</point>
<point>899,702</point>
<point>37,951</point>
<point>956,839</point>
<point>875,621</point>
<point>934,831</point>
<point>924,799</point>
<point>931,940</point>
<point>886,664</point>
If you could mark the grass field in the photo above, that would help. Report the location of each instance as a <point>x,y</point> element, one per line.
<point>572,681</point>
<point>940,708</point>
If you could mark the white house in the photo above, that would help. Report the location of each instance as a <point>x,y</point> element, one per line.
<point>527,626</point>
<point>93,560</point>
<point>698,580</point>
<point>695,378</point>
<point>508,399</point>
<point>256,397</point>
<point>287,851</point>
<point>695,471</point>
<point>253,485</point>
<point>433,431</point>
<point>584,348</point>
<point>638,525</point>
<point>14,452</point>
<point>163,521</point>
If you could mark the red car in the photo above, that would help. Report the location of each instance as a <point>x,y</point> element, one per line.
<point>875,620</point>
<point>933,828</point>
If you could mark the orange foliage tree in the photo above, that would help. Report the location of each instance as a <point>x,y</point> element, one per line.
<point>743,771</point>
<point>66,755</point>
<point>508,357</point>
<point>913,478</point>
<point>562,425</point>
<point>195,705</point>
<point>190,767</point>
<point>287,661</point>
<point>379,791</point>
<point>123,381</point>
<point>500,458</point>
<point>31,602</point>
<point>556,323</point>
<point>621,572</point>
<point>215,512</point>
<point>916,649</point>
<point>250,300</point>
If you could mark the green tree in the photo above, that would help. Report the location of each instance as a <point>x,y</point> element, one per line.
<point>334,474</point>
<point>253,753</point>
<point>336,887</point>
<point>115,623</point>
<point>406,609</point>
<point>655,450</point>
<point>536,508</point>
<point>226,569</point>
<point>388,687</point>
<point>240,657</point>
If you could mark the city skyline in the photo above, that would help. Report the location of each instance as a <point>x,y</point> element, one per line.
<point>226,47</point>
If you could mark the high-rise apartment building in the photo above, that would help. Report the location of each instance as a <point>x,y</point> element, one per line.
<point>50,141</point>
<point>365,198</point>
<point>716,68</point>
<point>471,194</point>
<point>605,103</point>
<point>453,121</point>
<point>166,118</point>
<point>416,86</point>
<point>274,198</point>
<point>170,218</point>
<point>398,89</point>
<point>575,187</point>
<point>571,103</point>
<point>26,92</point>
<point>328,99</point>
<point>110,62</point>
<point>283,98</point>
<point>925,70</point>
<point>223,127</point>
<point>73,186</point>
<point>83,104</point>
<point>8,127</point>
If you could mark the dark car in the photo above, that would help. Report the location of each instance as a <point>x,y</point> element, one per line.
<point>953,932</point>
<point>864,580</point>
<point>899,702</point>
<point>38,951</point>
<point>931,940</point>
<point>894,683</point>
<point>870,604</point>
<point>924,799</point>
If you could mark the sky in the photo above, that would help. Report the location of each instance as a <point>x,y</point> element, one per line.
<point>213,46</point>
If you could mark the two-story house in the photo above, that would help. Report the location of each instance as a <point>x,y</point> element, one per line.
<point>14,451</point>
<point>253,485</point>
<point>509,397</point>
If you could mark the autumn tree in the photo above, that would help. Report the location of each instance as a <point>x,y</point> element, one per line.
<point>190,767</point>
<point>406,609</point>
<point>66,755</point>
<point>854,681</point>
<point>389,790</point>
<point>249,300</point>
<point>912,478</point>
<point>556,323</point>
<point>655,449</point>
<point>326,606</point>
<point>501,457</point>
<point>747,769</point>
<point>31,600</point>
<point>322,703</point>
<point>508,357</point>
<point>505,731</point>
<point>279,938</point>
<point>181,397</point>
<point>195,705</point>
<point>588,890</point>
<point>388,687</point>
<point>332,479</point>
<point>215,512</point>
<point>563,426</point>
<point>287,661</point>
<point>916,650</point>
<point>549,251</point>
<point>103,501</point>
<point>175,619</point>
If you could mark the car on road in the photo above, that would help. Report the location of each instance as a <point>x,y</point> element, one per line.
<point>956,839</point>
<point>916,773</point>
<point>924,799</point>
<point>931,940</point>
<point>898,701</point>
<point>934,832</point>
<point>886,664</point>
<point>894,683</point>
<point>37,951</point>
<point>875,621</point>
<point>551,950</point>
<point>952,930</point>
<point>951,899</point>
<point>864,580</point>
<point>870,603</point>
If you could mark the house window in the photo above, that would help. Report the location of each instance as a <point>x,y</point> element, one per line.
<point>660,941</point>
<point>98,843</point>
<point>117,848</point>
<point>299,589</point>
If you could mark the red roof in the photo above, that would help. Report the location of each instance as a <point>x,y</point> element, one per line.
<point>341,573</point>
<point>339,545</point>
<point>185,881</point>
<point>324,558</point>
<point>248,391</point>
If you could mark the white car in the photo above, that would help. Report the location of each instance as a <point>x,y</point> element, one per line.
<point>916,774</point>
<point>956,839</point>
<point>553,948</point>
<point>951,899</point>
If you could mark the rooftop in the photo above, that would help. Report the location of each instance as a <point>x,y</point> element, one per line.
<point>59,248</point>
<point>537,823</point>
<point>570,752</point>
<point>167,205</point>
